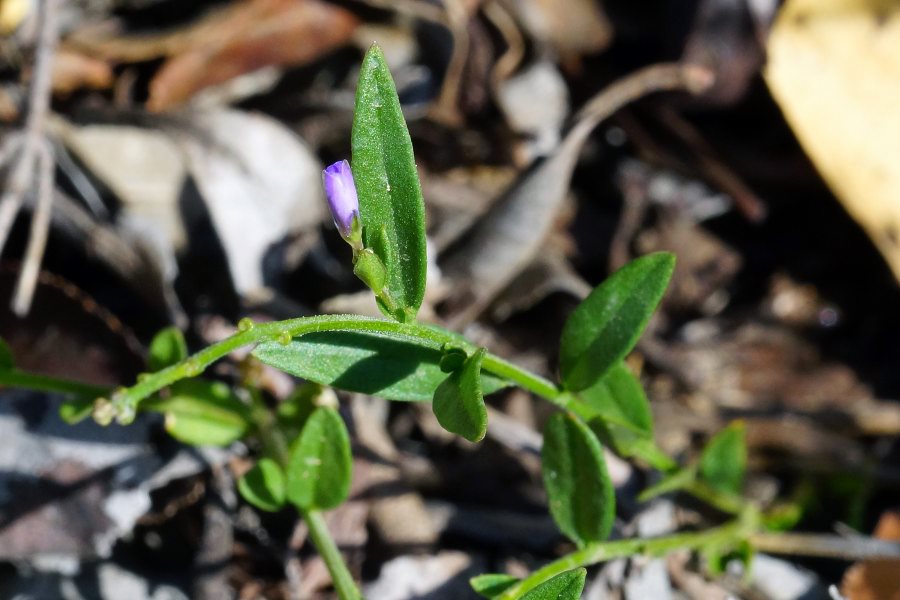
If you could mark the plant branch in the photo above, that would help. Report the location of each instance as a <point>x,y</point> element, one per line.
<point>44,383</point>
<point>730,533</point>
<point>124,401</point>
<point>318,531</point>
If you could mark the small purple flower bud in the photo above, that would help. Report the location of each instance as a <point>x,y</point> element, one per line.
<point>340,190</point>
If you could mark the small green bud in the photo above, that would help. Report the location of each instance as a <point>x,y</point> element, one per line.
<point>369,268</point>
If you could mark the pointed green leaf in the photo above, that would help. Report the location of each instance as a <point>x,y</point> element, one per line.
<point>263,485</point>
<point>375,363</point>
<point>607,324</point>
<point>459,403</point>
<point>580,493</point>
<point>167,348</point>
<point>618,399</point>
<point>390,199</point>
<point>202,413</point>
<point>491,585</point>
<point>724,459</point>
<point>565,586</point>
<point>319,469</point>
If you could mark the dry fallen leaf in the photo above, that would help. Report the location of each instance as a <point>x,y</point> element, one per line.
<point>834,69</point>
<point>256,34</point>
<point>876,579</point>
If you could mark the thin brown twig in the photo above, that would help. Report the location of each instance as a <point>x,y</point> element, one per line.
<point>446,108</point>
<point>40,228</point>
<point>22,172</point>
<point>826,546</point>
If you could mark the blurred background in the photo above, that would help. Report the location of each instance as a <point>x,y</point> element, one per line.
<point>162,162</point>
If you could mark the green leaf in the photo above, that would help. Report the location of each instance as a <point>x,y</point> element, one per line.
<point>263,485</point>
<point>724,459</point>
<point>677,480</point>
<point>565,586</point>
<point>459,403</point>
<point>77,409</point>
<point>491,585</point>
<point>202,413</point>
<point>296,408</point>
<point>319,470</point>
<point>604,328</point>
<point>618,410</point>
<point>167,348</point>
<point>6,356</point>
<point>375,363</point>
<point>390,199</point>
<point>581,495</point>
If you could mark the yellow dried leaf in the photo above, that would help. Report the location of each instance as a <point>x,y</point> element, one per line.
<point>834,68</point>
<point>12,13</point>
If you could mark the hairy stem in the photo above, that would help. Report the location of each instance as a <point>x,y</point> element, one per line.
<point>45,383</point>
<point>328,550</point>
<point>730,533</point>
<point>124,401</point>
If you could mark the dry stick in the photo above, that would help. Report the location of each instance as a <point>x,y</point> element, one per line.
<point>445,109</point>
<point>22,172</point>
<point>512,57</point>
<point>512,233</point>
<point>37,239</point>
<point>827,546</point>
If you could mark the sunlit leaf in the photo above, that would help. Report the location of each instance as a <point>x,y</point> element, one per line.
<point>580,493</point>
<point>319,469</point>
<point>607,324</point>
<point>390,198</point>
<point>565,586</point>
<point>375,363</point>
<point>458,401</point>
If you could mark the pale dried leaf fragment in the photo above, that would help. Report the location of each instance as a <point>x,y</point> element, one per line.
<point>835,71</point>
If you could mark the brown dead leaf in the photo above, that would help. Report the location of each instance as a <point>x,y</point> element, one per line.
<point>257,34</point>
<point>73,71</point>
<point>244,36</point>
<point>580,28</point>
<point>834,70</point>
<point>876,579</point>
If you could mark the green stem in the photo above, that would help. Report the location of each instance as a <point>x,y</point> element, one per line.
<point>730,533</point>
<point>44,383</point>
<point>125,400</point>
<point>328,550</point>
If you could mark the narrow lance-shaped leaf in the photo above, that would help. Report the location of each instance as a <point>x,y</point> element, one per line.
<point>724,459</point>
<point>607,324</point>
<point>459,403</point>
<point>375,363</point>
<point>565,586</point>
<point>581,495</point>
<point>390,199</point>
<point>263,485</point>
<point>319,469</point>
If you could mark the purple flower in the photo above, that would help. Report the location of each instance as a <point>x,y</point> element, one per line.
<point>342,199</point>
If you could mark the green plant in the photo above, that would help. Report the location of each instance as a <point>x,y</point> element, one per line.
<point>304,447</point>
